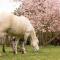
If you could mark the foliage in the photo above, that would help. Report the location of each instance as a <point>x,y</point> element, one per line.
<point>44,14</point>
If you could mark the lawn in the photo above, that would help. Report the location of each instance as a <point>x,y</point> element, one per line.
<point>45,53</point>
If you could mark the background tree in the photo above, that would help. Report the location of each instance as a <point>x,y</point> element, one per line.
<point>44,15</point>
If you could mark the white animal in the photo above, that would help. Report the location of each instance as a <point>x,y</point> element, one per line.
<point>18,26</point>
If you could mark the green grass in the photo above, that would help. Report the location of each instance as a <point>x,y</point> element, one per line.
<point>45,53</point>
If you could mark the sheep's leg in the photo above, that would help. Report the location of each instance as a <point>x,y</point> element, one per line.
<point>14,45</point>
<point>23,47</point>
<point>3,38</point>
<point>3,48</point>
<point>23,43</point>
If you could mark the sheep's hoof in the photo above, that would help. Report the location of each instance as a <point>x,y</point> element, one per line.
<point>23,52</point>
<point>4,51</point>
<point>14,52</point>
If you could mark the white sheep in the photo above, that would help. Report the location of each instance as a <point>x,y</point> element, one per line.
<point>18,26</point>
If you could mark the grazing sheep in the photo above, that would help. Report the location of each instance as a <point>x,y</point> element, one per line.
<point>18,26</point>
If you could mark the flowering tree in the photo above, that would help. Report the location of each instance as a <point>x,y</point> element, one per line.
<point>43,14</point>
